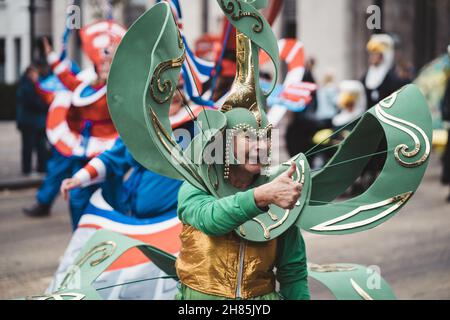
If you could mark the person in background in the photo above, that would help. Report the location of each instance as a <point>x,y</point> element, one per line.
<point>327,96</point>
<point>405,70</point>
<point>31,114</point>
<point>351,101</point>
<point>381,78</point>
<point>87,118</point>
<point>309,70</point>
<point>446,117</point>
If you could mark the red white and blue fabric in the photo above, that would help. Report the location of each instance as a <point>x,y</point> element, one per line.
<point>88,131</point>
<point>99,36</point>
<point>196,72</point>
<point>78,123</point>
<point>70,142</point>
<point>52,84</point>
<point>95,171</point>
<point>293,54</point>
<point>293,94</point>
<point>162,232</point>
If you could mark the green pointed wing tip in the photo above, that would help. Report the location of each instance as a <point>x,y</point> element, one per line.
<point>160,257</point>
<point>245,17</point>
<point>128,85</point>
<point>348,281</point>
<point>405,120</point>
<point>101,251</point>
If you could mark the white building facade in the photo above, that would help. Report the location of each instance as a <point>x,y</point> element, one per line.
<point>334,32</point>
<point>15,35</point>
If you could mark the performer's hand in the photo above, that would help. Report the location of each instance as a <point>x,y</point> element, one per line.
<point>47,46</point>
<point>68,185</point>
<point>282,191</point>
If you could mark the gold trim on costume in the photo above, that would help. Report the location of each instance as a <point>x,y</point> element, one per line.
<point>100,248</point>
<point>403,148</point>
<point>330,225</point>
<point>58,296</point>
<point>165,138</point>
<point>164,88</point>
<point>243,91</point>
<point>360,290</point>
<point>330,268</point>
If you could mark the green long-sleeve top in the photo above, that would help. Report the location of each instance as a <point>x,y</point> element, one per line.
<point>217,217</point>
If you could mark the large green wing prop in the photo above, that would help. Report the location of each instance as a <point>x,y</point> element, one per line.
<point>345,281</point>
<point>99,253</point>
<point>403,119</point>
<point>351,281</point>
<point>143,78</point>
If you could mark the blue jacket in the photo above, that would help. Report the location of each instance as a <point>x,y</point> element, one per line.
<point>144,194</point>
<point>31,110</point>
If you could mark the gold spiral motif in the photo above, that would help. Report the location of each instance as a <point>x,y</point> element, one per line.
<point>162,91</point>
<point>403,125</point>
<point>106,249</point>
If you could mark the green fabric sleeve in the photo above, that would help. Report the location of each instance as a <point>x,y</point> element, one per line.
<point>292,270</point>
<point>212,216</point>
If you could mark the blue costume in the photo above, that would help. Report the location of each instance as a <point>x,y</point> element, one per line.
<point>143,194</point>
<point>60,168</point>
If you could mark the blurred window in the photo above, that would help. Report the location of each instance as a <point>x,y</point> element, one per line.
<point>2,60</point>
<point>18,56</point>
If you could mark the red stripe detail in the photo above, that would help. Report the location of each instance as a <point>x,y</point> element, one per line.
<point>56,116</point>
<point>197,82</point>
<point>167,240</point>
<point>55,64</point>
<point>263,57</point>
<point>93,173</point>
<point>288,45</point>
<point>69,79</point>
<point>299,59</point>
<point>63,148</point>
<point>90,226</point>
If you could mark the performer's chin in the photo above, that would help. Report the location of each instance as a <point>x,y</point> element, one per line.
<point>253,168</point>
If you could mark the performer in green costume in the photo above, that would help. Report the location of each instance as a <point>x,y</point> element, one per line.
<point>241,219</point>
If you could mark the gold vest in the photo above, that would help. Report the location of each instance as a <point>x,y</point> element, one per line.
<point>226,266</point>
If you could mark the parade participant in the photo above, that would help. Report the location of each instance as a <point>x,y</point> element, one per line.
<point>31,112</point>
<point>446,117</point>
<point>381,79</point>
<point>352,102</point>
<point>144,194</point>
<point>79,126</point>
<point>241,213</point>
